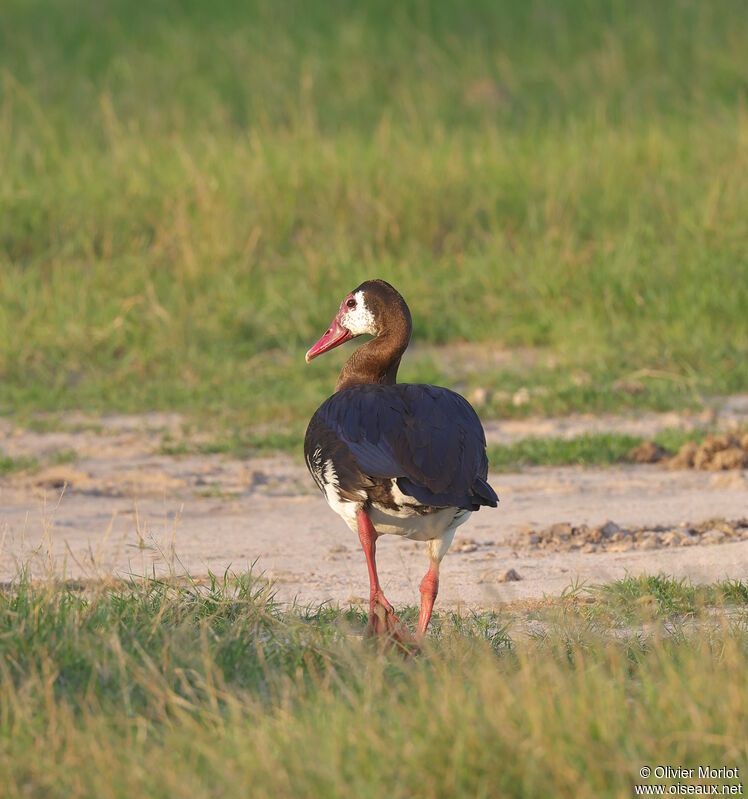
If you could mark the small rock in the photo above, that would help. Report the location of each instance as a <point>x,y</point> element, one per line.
<point>712,537</point>
<point>647,452</point>
<point>548,543</point>
<point>560,530</point>
<point>590,548</point>
<point>259,478</point>
<point>594,535</point>
<point>509,576</point>
<point>609,529</point>
<point>685,457</point>
<point>466,545</point>
<point>702,458</point>
<point>672,539</point>
<point>730,458</point>
<point>581,534</point>
<point>717,443</point>
<point>621,546</point>
<point>650,542</point>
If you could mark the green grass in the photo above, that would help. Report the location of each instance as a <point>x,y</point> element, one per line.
<point>590,449</point>
<point>187,193</point>
<point>26,463</point>
<point>585,450</point>
<point>166,689</point>
<point>10,465</point>
<point>624,602</point>
<point>62,456</point>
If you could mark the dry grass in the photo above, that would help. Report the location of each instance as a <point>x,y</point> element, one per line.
<point>165,689</point>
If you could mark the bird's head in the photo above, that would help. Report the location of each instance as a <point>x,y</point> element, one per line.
<point>375,307</point>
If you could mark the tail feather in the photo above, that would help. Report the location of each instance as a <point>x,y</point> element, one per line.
<point>485,493</point>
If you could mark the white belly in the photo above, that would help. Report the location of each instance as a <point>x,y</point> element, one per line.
<point>438,525</point>
<point>420,527</point>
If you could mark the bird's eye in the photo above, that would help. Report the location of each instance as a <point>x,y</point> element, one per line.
<point>351,303</point>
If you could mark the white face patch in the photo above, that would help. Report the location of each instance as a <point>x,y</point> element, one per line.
<point>359,320</point>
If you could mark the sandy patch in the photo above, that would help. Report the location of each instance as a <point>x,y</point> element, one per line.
<point>122,508</point>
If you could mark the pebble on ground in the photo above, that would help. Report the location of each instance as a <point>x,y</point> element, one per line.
<point>611,537</point>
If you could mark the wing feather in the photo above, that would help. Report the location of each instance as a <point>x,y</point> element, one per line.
<point>427,438</point>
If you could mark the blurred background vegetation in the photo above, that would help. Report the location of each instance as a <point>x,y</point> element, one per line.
<point>187,190</point>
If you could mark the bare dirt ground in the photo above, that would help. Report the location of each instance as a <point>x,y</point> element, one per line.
<point>122,508</point>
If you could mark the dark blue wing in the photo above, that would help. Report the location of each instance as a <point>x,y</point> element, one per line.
<point>428,438</point>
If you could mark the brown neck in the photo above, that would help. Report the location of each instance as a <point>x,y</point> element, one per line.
<point>377,361</point>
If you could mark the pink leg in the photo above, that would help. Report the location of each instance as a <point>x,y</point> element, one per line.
<point>429,589</point>
<point>382,618</point>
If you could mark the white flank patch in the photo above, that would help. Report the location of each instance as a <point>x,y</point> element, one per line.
<point>345,509</point>
<point>359,320</point>
<point>405,501</point>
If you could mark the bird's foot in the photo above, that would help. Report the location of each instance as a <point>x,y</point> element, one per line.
<point>383,621</point>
